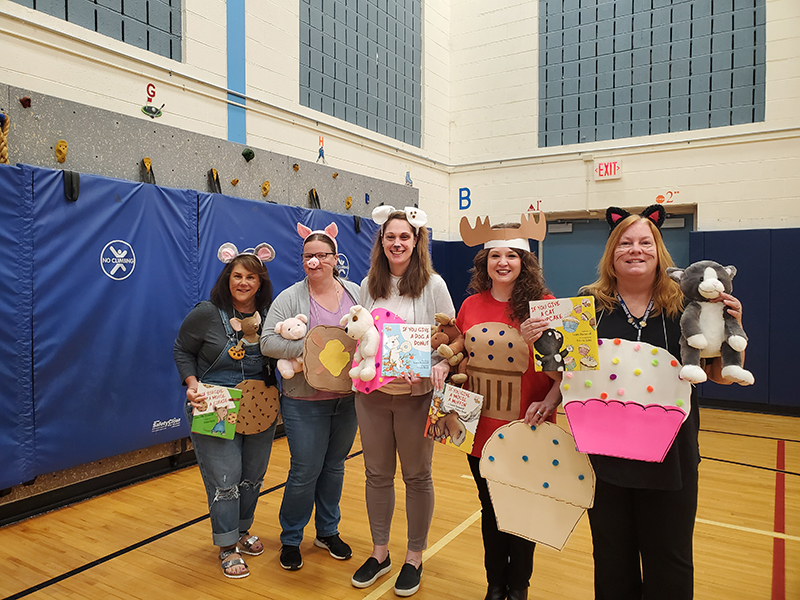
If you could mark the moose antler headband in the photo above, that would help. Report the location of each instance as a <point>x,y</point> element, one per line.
<point>531,227</point>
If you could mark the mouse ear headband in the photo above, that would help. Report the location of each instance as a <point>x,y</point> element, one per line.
<point>331,231</point>
<point>530,227</point>
<point>654,212</point>
<point>263,252</point>
<point>416,217</point>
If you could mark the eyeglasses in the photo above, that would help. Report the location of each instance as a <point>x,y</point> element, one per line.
<point>307,256</point>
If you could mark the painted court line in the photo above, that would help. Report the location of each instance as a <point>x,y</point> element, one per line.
<point>430,552</point>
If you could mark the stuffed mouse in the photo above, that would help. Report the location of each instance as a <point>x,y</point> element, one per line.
<point>707,330</point>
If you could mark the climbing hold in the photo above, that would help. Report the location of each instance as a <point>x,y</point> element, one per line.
<point>213,182</point>
<point>313,198</point>
<point>348,203</point>
<point>248,154</point>
<point>146,173</point>
<point>264,189</point>
<point>234,182</point>
<point>335,175</point>
<point>25,101</point>
<point>4,122</point>
<point>61,151</point>
<point>296,167</point>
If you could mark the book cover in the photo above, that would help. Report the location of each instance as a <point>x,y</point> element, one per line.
<point>570,344</point>
<point>219,414</point>
<point>453,417</point>
<point>406,349</point>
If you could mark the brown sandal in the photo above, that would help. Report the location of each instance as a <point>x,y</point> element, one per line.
<point>231,558</point>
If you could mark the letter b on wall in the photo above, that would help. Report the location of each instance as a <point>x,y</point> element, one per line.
<point>464,200</point>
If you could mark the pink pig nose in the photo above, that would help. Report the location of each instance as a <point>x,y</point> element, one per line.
<point>313,263</point>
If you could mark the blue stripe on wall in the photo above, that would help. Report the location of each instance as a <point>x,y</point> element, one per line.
<point>237,118</point>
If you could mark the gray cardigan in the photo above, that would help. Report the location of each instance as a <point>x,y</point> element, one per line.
<point>291,302</point>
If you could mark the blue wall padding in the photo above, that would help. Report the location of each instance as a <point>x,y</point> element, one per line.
<point>453,260</point>
<point>102,361</point>
<point>750,252</point>
<point>784,332</point>
<point>16,394</point>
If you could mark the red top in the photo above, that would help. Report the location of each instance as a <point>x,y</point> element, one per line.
<point>483,308</point>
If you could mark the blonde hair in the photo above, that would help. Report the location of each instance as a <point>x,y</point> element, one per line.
<point>419,270</point>
<point>667,295</point>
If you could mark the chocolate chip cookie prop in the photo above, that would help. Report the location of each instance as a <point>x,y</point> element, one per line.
<point>497,356</point>
<point>539,483</point>
<point>328,353</point>
<point>258,408</point>
<point>632,406</point>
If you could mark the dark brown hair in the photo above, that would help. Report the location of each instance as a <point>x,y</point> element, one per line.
<point>221,292</point>
<point>419,270</point>
<point>528,286</point>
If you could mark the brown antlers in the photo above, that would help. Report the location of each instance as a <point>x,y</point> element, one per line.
<point>531,227</point>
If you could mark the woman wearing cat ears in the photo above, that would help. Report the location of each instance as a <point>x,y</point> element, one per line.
<point>392,419</point>
<point>207,350</point>
<point>643,517</point>
<point>320,425</point>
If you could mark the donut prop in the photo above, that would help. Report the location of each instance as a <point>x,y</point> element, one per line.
<point>632,406</point>
<point>328,352</point>
<point>539,483</point>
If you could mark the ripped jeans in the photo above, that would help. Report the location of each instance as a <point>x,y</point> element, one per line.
<point>233,471</point>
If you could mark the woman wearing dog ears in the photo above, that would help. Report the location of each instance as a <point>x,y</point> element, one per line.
<point>643,517</point>
<point>498,336</point>
<point>392,419</point>
<point>320,425</point>
<point>207,350</point>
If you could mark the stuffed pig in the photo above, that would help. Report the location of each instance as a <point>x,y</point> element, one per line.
<point>707,330</point>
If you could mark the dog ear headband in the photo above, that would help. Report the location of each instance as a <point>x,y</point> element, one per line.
<point>654,212</point>
<point>530,227</point>
<point>263,252</point>
<point>416,217</point>
<point>331,231</point>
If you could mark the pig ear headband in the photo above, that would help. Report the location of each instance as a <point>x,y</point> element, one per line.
<point>263,252</point>
<point>416,217</point>
<point>331,231</point>
<point>654,212</point>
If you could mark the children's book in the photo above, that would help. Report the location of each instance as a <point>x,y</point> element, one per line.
<point>453,417</point>
<point>218,416</point>
<point>570,344</point>
<point>406,349</point>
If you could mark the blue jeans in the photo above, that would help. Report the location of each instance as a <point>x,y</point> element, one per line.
<point>320,434</point>
<point>233,471</point>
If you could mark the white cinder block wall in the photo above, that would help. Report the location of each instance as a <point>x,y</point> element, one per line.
<point>479,113</point>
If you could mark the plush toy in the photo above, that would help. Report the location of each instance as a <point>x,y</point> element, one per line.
<point>360,326</point>
<point>448,341</point>
<point>549,350</point>
<point>250,327</point>
<point>293,328</point>
<point>707,330</point>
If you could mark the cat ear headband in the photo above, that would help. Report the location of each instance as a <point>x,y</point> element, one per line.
<point>530,227</point>
<point>331,231</point>
<point>263,252</point>
<point>416,217</point>
<point>654,212</point>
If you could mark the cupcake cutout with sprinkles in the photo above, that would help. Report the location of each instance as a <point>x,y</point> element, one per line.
<point>632,407</point>
<point>534,471</point>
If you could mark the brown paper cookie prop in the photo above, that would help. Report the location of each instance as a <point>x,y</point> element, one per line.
<point>497,356</point>
<point>259,406</point>
<point>327,355</point>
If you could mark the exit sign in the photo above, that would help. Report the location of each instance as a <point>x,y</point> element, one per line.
<point>607,169</point>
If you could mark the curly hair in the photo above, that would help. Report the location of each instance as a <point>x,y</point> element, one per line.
<point>221,292</point>
<point>528,286</point>
<point>667,295</point>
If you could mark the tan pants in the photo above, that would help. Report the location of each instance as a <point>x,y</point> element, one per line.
<point>392,426</point>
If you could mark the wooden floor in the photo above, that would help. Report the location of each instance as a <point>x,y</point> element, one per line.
<point>152,540</point>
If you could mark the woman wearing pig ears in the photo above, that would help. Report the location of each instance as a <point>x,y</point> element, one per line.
<point>392,419</point>
<point>320,425</point>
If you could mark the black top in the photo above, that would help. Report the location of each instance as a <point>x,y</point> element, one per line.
<point>684,455</point>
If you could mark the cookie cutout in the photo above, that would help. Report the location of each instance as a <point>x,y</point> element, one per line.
<point>259,406</point>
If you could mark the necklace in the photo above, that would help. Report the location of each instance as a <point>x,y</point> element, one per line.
<point>637,324</point>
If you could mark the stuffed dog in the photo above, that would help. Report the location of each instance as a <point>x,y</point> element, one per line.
<point>707,330</point>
